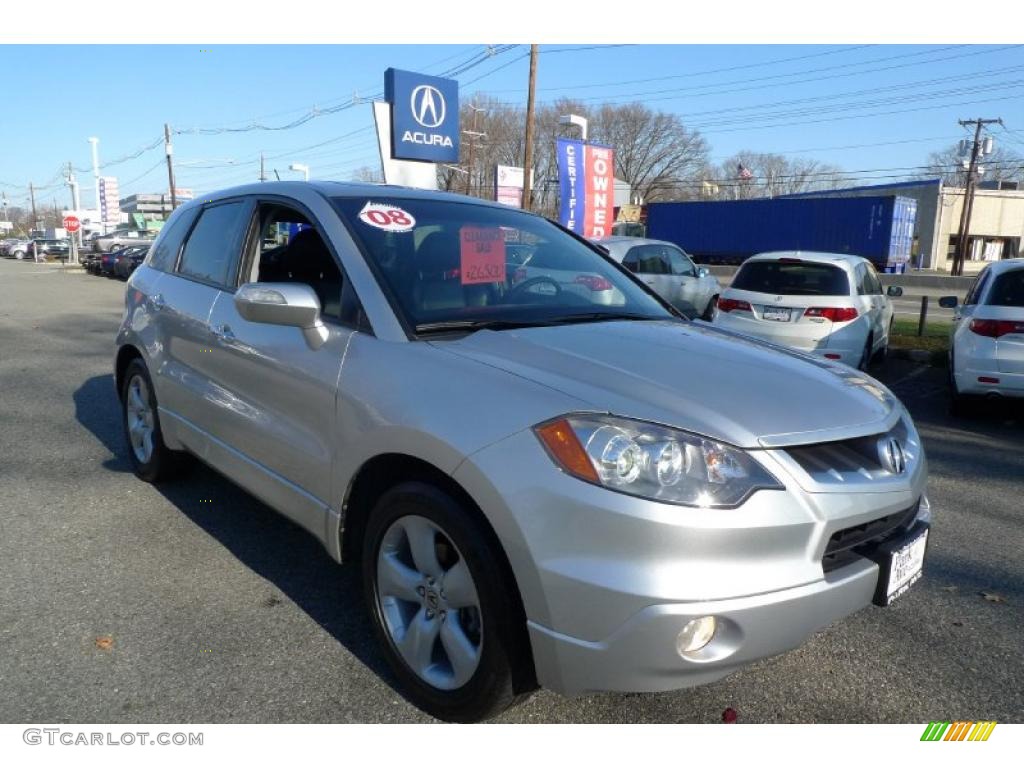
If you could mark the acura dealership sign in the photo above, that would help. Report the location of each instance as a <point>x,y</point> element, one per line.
<point>424,116</point>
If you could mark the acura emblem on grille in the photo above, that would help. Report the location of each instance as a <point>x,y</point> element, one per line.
<point>891,454</point>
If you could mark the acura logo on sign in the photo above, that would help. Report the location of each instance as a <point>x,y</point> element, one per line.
<point>891,454</point>
<point>428,107</point>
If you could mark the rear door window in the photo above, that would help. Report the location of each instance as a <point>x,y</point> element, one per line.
<point>651,260</point>
<point>213,247</point>
<point>792,278</point>
<point>1008,290</point>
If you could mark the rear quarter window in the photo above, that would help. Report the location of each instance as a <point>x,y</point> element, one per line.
<point>792,278</point>
<point>164,251</point>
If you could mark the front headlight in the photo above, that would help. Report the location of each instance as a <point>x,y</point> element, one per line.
<point>652,461</point>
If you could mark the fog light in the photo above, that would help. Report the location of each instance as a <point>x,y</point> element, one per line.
<point>695,635</point>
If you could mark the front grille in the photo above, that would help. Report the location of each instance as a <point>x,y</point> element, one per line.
<point>846,462</point>
<point>847,545</point>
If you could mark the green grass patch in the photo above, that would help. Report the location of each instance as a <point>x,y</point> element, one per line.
<point>935,338</point>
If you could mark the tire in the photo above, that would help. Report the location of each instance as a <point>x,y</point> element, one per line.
<point>479,618</point>
<point>865,357</point>
<point>959,405</point>
<point>151,459</point>
<point>709,311</point>
<point>883,354</point>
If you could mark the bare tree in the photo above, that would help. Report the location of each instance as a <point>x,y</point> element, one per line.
<point>1003,164</point>
<point>749,174</point>
<point>367,173</point>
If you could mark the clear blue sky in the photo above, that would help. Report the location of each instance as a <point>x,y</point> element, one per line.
<point>904,99</point>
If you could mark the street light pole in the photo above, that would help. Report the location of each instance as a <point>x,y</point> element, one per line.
<point>303,169</point>
<point>96,174</point>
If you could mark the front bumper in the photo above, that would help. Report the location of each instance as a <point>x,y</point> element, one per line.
<point>608,581</point>
<point>641,654</point>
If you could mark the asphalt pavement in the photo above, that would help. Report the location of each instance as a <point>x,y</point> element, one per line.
<point>193,602</point>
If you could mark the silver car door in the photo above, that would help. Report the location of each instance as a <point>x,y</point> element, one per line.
<point>688,283</point>
<point>182,304</point>
<point>277,390</point>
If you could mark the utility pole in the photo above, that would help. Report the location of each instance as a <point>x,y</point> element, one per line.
<point>473,134</point>
<point>32,196</point>
<point>963,235</point>
<point>263,175</point>
<point>168,149</point>
<point>528,152</point>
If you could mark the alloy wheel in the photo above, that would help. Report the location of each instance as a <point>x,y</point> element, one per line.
<point>428,602</point>
<point>140,419</point>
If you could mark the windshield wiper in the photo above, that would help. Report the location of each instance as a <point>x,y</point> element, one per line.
<point>444,326</point>
<point>597,317</point>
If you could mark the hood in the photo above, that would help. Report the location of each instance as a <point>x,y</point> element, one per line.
<point>692,376</point>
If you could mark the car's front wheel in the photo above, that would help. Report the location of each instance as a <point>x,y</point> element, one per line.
<point>441,605</point>
<point>710,309</point>
<point>151,459</point>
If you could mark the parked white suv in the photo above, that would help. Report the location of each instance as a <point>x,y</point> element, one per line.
<point>986,355</point>
<point>827,304</point>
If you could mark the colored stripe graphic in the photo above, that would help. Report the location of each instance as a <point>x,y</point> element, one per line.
<point>958,730</point>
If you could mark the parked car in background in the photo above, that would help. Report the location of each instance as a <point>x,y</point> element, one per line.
<point>16,248</point>
<point>90,262</point>
<point>41,249</point>
<point>128,260</point>
<point>538,488</point>
<point>986,353</point>
<point>106,261</point>
<point>669,271</point>
<point>826,304</point>
<point>121,238</point>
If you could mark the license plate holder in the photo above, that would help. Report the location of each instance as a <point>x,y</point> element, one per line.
<point>778,314</point>
<point>900,564</point>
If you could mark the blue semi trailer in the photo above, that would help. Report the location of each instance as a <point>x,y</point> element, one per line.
<point>727,232</point>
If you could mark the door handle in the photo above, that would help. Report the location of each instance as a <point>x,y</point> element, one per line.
<point>157,301</point>
<point>224,332</point>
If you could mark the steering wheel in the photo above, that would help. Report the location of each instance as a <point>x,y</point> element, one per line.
<point>527,284</point>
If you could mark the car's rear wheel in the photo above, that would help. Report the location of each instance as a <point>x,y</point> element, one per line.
<point>440,604</point>
<point>959,405</point>
<point>865,356</point>
<point>151,459</point>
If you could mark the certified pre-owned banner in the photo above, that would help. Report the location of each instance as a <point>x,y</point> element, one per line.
<point>587,182</point>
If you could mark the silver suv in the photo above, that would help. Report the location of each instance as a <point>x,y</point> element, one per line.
<point>541,484</point>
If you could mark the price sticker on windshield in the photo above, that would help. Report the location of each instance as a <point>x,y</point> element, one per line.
<point>390,218</point>
<point>483,255</point>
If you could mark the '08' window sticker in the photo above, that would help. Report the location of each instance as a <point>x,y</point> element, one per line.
<point>389,218</point>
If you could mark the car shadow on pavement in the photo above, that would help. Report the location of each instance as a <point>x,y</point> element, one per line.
<point>96,409</point>
<point>269,544</point>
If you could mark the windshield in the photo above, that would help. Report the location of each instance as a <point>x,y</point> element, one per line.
<point>792,278</point>
<point>462,265</point>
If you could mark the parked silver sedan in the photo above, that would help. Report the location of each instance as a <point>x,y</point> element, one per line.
<point>539,489</point>
<point>669,272</point>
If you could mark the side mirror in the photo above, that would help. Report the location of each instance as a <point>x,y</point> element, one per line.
<point>702,272</point>
<point>290,304</point>
<point>894,290</point>
<point>948,302</point>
